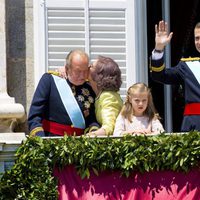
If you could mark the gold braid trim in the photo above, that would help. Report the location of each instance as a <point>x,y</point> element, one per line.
<point>190,59</point>
<point>54,73</point>
<point>157,69</point>
<point>36,130</point>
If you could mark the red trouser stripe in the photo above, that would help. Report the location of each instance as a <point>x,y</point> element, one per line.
<point>192,109</point>
<point>60,129</point>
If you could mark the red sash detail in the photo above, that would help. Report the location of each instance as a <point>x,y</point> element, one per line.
<point>192,109</point>
<point>61,129</point>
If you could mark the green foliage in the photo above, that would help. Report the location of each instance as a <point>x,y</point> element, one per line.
<point>31,176</point>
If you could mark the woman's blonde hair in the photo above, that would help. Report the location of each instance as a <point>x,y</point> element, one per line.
<point>127,110</point>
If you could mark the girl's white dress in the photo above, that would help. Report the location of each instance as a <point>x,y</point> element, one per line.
<point>122,125</point>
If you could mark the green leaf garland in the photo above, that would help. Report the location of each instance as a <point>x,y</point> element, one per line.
<point>31,176</point>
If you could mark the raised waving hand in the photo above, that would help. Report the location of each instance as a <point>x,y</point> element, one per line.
<point>162,38</point>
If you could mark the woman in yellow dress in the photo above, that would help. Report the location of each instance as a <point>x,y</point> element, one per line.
<point>105,79</point>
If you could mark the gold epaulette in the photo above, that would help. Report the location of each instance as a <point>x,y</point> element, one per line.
<point>190,59</point>
<point>54,73</point>
<point>36,130</point>
<point>157,69</point>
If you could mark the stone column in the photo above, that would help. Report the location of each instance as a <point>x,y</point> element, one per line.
<point>10,112</point>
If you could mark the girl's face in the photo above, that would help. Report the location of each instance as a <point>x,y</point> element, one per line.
<point>139,103</point>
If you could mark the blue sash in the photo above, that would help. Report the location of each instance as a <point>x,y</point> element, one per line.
<point>69,102</point>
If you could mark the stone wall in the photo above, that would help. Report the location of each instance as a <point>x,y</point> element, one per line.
<point>20,47</point>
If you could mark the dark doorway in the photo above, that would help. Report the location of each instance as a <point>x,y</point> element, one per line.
<point>183,17</point>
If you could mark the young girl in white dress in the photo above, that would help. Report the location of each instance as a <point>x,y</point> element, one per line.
<point>138,114</point>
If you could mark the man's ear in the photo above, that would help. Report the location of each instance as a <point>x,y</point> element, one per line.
<point>66,68</point>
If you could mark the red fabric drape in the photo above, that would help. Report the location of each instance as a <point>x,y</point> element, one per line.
<point>164,185</point>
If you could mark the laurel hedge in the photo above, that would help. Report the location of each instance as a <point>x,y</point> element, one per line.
<point>31,175</point>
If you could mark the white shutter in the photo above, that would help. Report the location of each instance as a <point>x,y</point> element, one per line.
<point>107,33</point>
<point>66,31</point>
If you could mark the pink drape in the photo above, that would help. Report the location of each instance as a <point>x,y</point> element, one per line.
<point>164,185</point>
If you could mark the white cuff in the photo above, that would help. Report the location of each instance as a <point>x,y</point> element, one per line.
<point>157,55</point>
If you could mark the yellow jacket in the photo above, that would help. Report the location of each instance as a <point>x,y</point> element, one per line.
<point>107,107</point>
